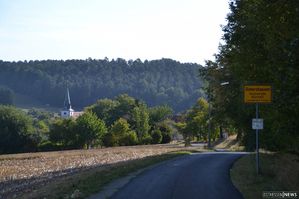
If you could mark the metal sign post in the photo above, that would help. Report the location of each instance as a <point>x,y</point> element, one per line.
<point>257,94</point>
<point>257,157</point>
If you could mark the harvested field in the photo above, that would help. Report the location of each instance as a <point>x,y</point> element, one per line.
<point>22,172</point>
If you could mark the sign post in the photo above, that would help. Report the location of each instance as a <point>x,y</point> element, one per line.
<point>257,155</point>
<point>257,94</point>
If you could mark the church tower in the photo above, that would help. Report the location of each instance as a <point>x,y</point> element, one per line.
<point>67,112</point>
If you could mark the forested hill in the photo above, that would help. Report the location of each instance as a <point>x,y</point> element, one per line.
<point>156,82</point>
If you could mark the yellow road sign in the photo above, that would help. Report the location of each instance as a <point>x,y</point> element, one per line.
<point>257,94</point>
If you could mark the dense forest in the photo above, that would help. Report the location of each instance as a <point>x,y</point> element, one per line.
<point>156,82</point>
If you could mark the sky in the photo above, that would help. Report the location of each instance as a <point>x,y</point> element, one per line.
<point>183,30</point>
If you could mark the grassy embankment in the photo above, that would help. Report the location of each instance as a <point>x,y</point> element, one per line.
<point>278,172</point>
<point>229,144</point>
<point>86,183</point>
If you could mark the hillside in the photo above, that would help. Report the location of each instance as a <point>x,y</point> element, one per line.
<point>156,82</point>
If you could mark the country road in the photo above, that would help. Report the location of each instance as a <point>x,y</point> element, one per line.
<point>200,175</point>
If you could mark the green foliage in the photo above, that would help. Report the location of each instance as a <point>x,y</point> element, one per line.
<point>41,129</point>
<point>111,110</point>
<point>126,104</point>
<point>196,123</point>
<point>48,146</point>
<point>121,134</point>
<point>166,132</point>
<point>130,138</point>
<point>104,109</point>
<point>261,46</point>
<point>141,120</point>
<point>156,82</point>
<point>110,140</point>
<point>166,137</point>
<point>197,120</point>
<point>6,96</point>
<point>15,131</point>
<point>41,123</point>
<point>120,127</point>
<point>159,113</point>
<point>156,136</point>
<point>46,133</point>
<point>90,130</point>
<point>40,115</point>
<point>146,139</point>
<point>181,126</point>
<point>62,133</point>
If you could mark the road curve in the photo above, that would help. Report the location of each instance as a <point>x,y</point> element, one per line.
<point>200,175</point>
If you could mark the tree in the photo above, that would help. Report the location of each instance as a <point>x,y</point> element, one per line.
<point>141,120</point>
<point>15,130</point>
<point>121,134</point>
<point>156,136</point>
<point>62,134</point>
<point>104,109</point>
<point>181,126</point>
<point>125,107</point>
<point>195,123</point>
<point>261,46</point>
<point>159,113</point>
<point>155,82</point>
<point>197,119</point>
<point>166,132</point>
<point>6,96</point>
<point>90,130</point>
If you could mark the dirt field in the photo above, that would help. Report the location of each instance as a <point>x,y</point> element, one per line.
<point>19,172</point>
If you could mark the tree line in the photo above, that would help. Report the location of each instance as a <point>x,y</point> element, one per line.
<point>261,47</point>
<point>121,121</point>
<point>156,82</point>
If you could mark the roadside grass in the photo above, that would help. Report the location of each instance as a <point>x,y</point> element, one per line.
<point>86,183</point>
<point>278,172</point>
<point>230,144</point>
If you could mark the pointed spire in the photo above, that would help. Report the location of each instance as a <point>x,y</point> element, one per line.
<point>67,100</point>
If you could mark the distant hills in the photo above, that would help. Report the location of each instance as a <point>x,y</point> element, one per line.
<point>163,81</point>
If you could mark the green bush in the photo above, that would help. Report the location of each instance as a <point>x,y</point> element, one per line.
<point>146,139</point>
<point>109,140</point>
<point>156,136</point>
<point>130,138</point>
<point>166,133</point>
<point>166,137</point>
<point>49,146</point>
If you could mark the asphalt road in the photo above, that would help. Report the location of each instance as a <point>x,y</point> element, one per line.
<point>202,175</point>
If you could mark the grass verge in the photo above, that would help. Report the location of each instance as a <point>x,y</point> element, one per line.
<point>231,144</point>
<point>88,182</point>
<point>278,172</point>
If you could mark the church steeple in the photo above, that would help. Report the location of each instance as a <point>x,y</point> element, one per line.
<point>67,100</point>
<point>68,111</point>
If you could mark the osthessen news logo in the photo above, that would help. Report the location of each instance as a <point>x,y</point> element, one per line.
<point>280,194</point>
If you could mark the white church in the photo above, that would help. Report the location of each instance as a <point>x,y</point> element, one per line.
<point>68,112</point>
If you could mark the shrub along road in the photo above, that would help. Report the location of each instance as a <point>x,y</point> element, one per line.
<point>200,175</point>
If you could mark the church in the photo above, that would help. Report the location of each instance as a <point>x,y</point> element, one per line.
<point>68,112</point>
